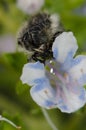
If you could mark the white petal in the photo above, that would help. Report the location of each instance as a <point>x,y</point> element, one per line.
<point>43,94</point>
<point>31,72</point>
<point>30,6</point>
<point>71,98</point>
<point>64,45</point>
<point>78,70</point>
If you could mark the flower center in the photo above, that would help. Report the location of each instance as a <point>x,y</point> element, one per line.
<point>56,76</point>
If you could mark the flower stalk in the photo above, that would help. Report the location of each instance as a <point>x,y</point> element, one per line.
<point>10,122</point>
<point>52,125</point>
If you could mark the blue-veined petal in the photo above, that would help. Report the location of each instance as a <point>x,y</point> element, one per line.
<point>63,45</point>
<point>31,72</point>
<point>70,99</point>
<point>77,71</point>
<point>43,94</point>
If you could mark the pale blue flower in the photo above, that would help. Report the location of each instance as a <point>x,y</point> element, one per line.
<point>30,6</point>
<point>60,83</point>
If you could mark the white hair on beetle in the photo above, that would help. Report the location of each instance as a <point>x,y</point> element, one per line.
<point>22,29</point>
<point>55,21</point>
<point>30,6</point>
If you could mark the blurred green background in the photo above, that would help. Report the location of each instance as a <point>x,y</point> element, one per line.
<point>15,101</point>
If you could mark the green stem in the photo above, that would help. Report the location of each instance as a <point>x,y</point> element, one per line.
<point>48,119</point>
<point>10,122</point>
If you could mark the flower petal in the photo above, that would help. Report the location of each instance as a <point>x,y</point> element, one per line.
<point>31,72</point>
<point>77,71</point>
<point>64,45</point>
<point>30,6</point>
<point>70,99</point>
<point>43,94</point>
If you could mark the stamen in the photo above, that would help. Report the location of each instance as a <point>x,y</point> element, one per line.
<point>81,70</point>
<point>66,77</point>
